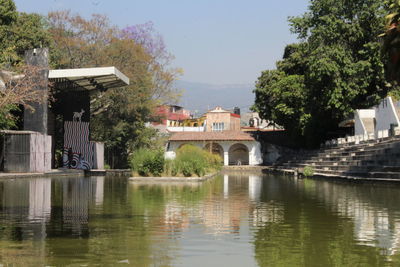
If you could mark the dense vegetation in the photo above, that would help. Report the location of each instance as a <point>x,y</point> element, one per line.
<point>190,160</point>
<point>335,68</point>
<point>118,115</point>
<point>148,162</point>
<point>391,42</point>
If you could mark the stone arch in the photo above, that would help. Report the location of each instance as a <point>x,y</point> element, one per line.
<point>239,154</point>
<point>215,148</point>
<point>181,145</point>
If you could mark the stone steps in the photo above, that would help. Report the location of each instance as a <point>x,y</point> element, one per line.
<point>372,160</point>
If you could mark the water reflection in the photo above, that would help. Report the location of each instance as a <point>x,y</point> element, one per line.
<point>39,200</point>
<point>373,209</point>
<point>235,220</point>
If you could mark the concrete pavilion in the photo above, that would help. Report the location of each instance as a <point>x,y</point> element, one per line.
<point>33,149</point>
<point>74,90</point>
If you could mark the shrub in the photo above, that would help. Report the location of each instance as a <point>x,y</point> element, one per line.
<point>171,167</point>
<point>215,161</point>
<point>308,171</point>
<point>191,160</point>
<point>146,162</point>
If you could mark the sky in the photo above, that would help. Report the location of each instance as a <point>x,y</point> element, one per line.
<point>213,41</point>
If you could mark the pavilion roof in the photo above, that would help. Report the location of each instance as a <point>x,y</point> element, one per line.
<point>91,78</point>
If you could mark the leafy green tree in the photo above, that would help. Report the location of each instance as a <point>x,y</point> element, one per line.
<point>336,68</point>
<point>8,16</point>
<point>391,40</point>
<point>18,33</point>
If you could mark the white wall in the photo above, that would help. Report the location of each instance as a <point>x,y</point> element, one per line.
<point>385,115</point>
<point>98,155</point>
<point>359,114</point>
<point>186,129</point>
<point>255,157</point>
<point>40,152</point>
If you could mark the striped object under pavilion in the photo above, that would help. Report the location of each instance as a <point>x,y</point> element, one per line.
<point>76,137</point>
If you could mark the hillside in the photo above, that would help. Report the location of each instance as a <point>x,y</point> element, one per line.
<point>200,97</point>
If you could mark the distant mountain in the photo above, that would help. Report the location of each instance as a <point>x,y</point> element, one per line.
<point>201,97</point>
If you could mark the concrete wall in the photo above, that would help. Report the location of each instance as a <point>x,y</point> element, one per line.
<point>27,152</point>
<point>385,115</point>
<point>231,122</point>
<point>36,120</point>
<point>40,151</point>
<point>218,117</point>
<point>98,156</point>
<point>234,123</point>
<point>254,148</point>
<point>359,115</point>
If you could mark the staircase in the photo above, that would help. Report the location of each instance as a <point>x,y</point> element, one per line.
<point>374,159</point>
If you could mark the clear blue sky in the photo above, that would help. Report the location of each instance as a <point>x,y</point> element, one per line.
<point>214,41</point>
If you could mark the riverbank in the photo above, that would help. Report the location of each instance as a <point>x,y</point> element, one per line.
<point>52,173</point>
<point>298,172</point>
<point>173,179</point>
<point>67,173</point>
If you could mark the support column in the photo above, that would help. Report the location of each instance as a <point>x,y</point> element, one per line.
<point>226,158</point>
<point>37,120</point>
<point>251,155</point>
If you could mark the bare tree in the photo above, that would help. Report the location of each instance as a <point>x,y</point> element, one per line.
<point>20,88</point>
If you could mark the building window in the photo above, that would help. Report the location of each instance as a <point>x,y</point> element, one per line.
<point>218,126</point>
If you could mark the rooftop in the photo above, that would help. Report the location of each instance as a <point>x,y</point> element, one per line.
<point>211,136</point>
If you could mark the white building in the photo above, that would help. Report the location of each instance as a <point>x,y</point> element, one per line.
<point>379,120</point>
<point>235,147</point>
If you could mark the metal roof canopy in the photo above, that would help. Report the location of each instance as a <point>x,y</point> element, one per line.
<point>102,78</point>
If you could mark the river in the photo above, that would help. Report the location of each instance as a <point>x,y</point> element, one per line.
<point>231,220</point>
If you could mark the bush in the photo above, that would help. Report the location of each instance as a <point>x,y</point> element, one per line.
<point>146,162</point>
<point>215,161</point>
<point>308,171</point>
<point>191,160</point>
<point>171,168</point>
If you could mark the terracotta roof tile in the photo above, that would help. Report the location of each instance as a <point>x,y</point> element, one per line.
<point>212,136</point>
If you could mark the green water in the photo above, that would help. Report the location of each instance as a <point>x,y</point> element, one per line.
<point>229,221</point>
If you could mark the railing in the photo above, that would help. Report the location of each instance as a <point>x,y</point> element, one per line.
<point>186,129</point>
<point>357,139</point>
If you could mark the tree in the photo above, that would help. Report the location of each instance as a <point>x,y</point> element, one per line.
<point>160,59</point>
<point>18,90</point>
<point>8,16</point>
<point>391,40</point>
<point>18,32</point>
<point>336,68</point>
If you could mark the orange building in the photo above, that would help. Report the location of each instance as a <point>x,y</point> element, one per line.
<point>219,120</point>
